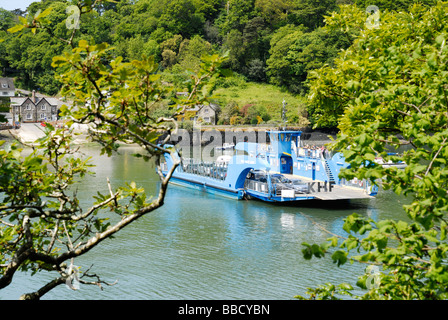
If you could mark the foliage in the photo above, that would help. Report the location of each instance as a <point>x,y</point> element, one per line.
<point>148,28</point>
<point>278,66</point>
<point>267,99</point>
<point>269,41</point>
<point>387,90</point>
<point>43,227</point>
<point>310,13</point>
<point>295,53</point>
<point>402,5</point>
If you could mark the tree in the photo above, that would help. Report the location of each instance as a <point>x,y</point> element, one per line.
<point>392,89</point>
<point>181,17</point>
<point>295,55</point>
<point>278,67</point>
<point>275,12</point>
<point>170,49</point>
<point>235,15</point>
<point>310,13</point>
<point>6,19</point>
<point>234,43</point>
<point>256,70</point>
<point>191,51</point>
<point>6,22</point>
<point>43,227</point>
<point>30,53</point>
<point>401,5</point>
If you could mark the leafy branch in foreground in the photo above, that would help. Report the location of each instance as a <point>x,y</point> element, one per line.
<point>389,90</point>
<point>42,224</point>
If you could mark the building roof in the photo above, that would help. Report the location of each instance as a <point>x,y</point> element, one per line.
<point>200,106</point>
<point>7,84</point>
<point>18,101</point>
<point>54,101</point>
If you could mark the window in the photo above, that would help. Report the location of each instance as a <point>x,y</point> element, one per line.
<point>206,110</point>
<point>43,107</point>
<point>5,93</point>
<point>29,116</point>
<point>4,85</point>
<point>28,106</point>
<point>42,116</point>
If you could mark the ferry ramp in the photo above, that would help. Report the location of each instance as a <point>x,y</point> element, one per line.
<point>338,192</point>
<point>342,193</point>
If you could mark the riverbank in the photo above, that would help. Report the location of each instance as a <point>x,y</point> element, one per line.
<point>28,133</point>
<point>217,135</point>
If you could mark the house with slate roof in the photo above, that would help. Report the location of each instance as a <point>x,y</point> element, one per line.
<point>34,108</point>
<point>203,113</point>
<point>206,113</point>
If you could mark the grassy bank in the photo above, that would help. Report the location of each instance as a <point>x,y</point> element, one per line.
<point>265,95</point>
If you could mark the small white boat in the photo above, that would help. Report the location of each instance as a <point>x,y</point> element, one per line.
<point>226,146</point>
<point>390,163</point>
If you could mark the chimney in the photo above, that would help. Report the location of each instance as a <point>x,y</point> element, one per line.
<point>34,97</point>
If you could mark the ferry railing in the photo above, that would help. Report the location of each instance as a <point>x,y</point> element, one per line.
<point>204,168</point>
<point>313,153</point>
<point>256,186</point>
<point>355,183</point>
<point>277,189</point>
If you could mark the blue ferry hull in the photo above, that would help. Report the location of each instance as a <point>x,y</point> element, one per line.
<point>250,194</point>
<point>208,187</point>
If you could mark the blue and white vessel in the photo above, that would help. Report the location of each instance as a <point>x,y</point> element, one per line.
<point>282,171</point>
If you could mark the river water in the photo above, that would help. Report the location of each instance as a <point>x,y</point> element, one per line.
<point>202,246</point>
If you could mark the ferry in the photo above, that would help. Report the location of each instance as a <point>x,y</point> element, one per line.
<point>282,171</point>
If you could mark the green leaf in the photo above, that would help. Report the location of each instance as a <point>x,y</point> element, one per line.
<point>45,13</point>
<point>443,231</point>
<point>58,61</point>
<point>83,43</point>
<point>339,257</point>
<point>370,157</point>
<point>16,28</point>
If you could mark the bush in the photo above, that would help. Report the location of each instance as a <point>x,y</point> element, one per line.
<point>234,120</point>
<point>256,70</point>
<point>236,80</point>
<point>187,125</point>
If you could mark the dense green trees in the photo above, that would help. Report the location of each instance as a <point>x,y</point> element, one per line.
<point>269,41</point>
<point>176,33</point>
<point>387,90</point>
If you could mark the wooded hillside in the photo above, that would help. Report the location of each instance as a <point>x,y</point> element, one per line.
<point>276,42</point>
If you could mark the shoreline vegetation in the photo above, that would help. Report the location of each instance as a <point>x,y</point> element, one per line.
<point>28,133</point>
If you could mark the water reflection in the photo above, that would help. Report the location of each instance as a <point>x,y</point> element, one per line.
<point>202,246</point>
